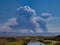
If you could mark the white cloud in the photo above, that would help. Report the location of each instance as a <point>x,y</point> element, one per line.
<point>26,9</point>
<point>5,27</point>
<point>12,21</point>
<point>45,16</point>
<point>23,31</point>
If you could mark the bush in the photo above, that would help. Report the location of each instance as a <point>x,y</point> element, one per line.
<point>11,39</point>
<point>41,41</point>
<point>48,42</point>
<point>57,43</point>
<point>57,38</point>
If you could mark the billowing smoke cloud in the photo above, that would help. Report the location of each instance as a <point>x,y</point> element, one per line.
<point>44,17</point>
<point>27,21</point>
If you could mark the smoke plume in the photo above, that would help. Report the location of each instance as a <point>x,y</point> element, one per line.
<point>28,21</point>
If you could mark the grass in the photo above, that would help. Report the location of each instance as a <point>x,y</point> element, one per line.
<point>12,41</point>
<point>22,42</point>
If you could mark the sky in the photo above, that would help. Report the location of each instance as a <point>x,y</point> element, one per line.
<point>8,12</point>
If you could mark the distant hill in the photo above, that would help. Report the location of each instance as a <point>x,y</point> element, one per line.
<point>28,34</point>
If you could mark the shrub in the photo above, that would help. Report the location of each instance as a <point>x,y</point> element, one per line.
<point>57,43</point>
<point>57,38</point>
<point>11,39</point>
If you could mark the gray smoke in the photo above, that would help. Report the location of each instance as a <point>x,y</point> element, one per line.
<point>27,19</point>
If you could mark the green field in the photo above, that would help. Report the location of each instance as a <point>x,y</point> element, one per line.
<point>25,40</point>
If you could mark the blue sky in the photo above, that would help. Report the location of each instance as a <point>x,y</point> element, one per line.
<point>8,10</point>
